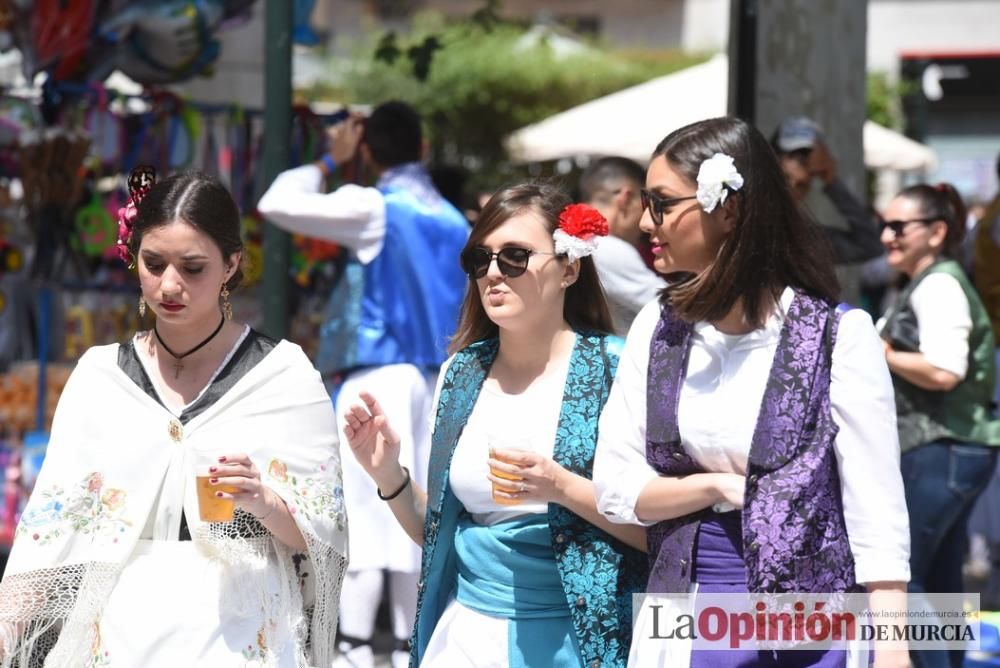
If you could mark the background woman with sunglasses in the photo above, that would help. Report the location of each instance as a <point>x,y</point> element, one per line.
<point>940,349</point>
<point>750,424</point>
<point>519,568</point>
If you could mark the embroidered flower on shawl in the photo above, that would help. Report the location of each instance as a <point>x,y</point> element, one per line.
<point>312,496</point>
<point>98,655</point>
<point>580,226</point>
<point>83,510</point>
<point>278,470</point>
<point>716,177</point>
<point>94,482</point>
<point>259,656</point>
<point>113,499</point>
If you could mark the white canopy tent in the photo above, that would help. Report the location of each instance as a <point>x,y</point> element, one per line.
<point>632,121</point>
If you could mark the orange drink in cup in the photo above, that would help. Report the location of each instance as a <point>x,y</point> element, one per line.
<point>502,500</point>
<point>210,507</point>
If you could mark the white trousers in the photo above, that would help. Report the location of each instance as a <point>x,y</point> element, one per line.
<point>405,394</point>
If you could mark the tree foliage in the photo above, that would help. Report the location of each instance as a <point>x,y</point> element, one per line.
<point>477,80</point>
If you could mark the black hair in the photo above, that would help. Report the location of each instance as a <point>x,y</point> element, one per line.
<point>393,134</point>
<point>941,202</point>
<point>199,200</point>
<point>606,174</point>
<point>772,245</point>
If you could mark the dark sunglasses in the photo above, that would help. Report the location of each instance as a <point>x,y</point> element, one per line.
<point>511,261</point>
<point>898,227</point>
<point>657,205</point>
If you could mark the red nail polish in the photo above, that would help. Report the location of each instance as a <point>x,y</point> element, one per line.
<point>212,469</point>
<point>222,459</point>
<point>218,494</point>
<point>213,480</point>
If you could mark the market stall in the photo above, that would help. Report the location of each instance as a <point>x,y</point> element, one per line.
<point>68,138</point>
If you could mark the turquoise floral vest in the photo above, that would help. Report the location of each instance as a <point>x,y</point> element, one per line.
<point>598,572</point>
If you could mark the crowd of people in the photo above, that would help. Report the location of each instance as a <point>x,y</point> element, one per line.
<point>517,425</point>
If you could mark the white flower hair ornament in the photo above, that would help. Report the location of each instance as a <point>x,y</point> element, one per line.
<point>580,226</point>
<point>716,177</point>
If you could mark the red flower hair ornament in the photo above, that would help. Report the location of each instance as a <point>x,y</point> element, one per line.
<point>140,180</point>
<point>580,226</point>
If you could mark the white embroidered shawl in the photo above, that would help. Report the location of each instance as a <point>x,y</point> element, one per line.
<point>110,447</point>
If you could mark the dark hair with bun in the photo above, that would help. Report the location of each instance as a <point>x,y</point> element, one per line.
<point>199,200</point>
<point>941,202</point>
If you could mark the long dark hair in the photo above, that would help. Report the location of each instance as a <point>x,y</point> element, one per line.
<point>772,244</point>
<point>199,200</point>
<point>585,308</point>
<point>941,202</point>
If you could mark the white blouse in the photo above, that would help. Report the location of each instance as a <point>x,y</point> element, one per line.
<point>719,404</point>
<point>527,421</point>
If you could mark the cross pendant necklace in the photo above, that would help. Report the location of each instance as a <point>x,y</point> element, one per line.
<point>179,358</point>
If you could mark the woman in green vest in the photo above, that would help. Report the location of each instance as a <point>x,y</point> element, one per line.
<point>519,568</point>
<point>939,347</point>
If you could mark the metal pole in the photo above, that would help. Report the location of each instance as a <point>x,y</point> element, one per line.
<point>277,131</point>
<point>743,59</point>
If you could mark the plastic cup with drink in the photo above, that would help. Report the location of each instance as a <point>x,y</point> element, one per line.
<point>498,443</point>
<point>210,507</point>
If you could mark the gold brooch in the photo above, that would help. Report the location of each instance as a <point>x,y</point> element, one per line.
<point>175,430</point>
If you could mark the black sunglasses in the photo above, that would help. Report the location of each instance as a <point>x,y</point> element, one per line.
<point>511,261</point>
<point>657,205</point>
<point>898,227</point>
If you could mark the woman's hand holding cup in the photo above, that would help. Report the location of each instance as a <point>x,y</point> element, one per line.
<point>227,481</point>
<point>523,476</point>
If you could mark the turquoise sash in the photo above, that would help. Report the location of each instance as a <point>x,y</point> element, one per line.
<point>508,570</point>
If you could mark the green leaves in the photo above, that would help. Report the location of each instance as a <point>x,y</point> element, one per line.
<point>387,51</point>
<point>477,80</point>
<point>421,55</point>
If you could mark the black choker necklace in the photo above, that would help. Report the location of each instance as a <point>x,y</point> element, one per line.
<point>178,363</point>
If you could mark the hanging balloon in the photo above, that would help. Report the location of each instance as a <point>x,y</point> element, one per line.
<point>96,231</point>
<point>302,32</point>
<point>164,42</point>
<point>61,33</point>
<point>105,129</point>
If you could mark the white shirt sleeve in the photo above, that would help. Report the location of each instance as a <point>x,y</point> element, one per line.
<point>353,216</point>
<point>621,471</point>
<point>867,449</point>
<point>944,322</point>
<point>627,281</point>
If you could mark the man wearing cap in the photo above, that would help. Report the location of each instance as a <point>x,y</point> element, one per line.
<point>804,157</point>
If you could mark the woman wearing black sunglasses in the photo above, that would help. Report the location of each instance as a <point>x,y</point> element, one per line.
<point>747,426</point>
<point>519,568</point>
<point>940,349</point>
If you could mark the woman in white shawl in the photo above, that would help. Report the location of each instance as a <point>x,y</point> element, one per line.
<point>112,564</point>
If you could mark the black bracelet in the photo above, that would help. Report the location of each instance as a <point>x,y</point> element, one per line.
<point>398,491</point>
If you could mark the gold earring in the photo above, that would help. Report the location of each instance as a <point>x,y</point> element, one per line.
<point>227,308</point>
<point>142,307</point>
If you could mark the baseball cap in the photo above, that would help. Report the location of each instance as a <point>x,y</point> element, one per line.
<point>796,133</point>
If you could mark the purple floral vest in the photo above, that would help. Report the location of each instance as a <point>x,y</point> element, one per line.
<point>794,536</point>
